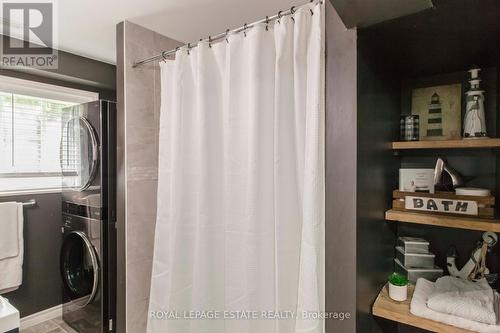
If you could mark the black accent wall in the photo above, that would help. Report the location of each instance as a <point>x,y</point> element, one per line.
<point>41,288</point>
<point>378,106</point>
<point>340,157</point>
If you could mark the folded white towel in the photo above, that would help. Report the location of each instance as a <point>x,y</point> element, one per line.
<point>9,224</point>
<point>418,307</point>
<point>463,298</point>
<point>11,267</point>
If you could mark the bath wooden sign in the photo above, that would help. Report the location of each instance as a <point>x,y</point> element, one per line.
<point>444,202</point>
<point>441,205</point>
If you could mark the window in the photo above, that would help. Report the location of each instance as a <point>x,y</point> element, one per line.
<point>32,117</point>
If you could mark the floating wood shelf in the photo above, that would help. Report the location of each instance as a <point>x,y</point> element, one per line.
<point>443,220</point>
<point>385,307</point>
<point>445,144</point>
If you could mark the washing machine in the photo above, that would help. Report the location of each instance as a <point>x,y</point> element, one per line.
<point>88,252</point>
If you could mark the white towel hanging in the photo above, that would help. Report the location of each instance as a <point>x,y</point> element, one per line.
<point>11,246</point>
<point>9,224</point>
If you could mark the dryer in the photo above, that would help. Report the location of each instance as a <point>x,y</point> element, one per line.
<point>88,252</point>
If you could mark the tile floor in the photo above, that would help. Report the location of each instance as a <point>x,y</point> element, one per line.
<point>56,325</point>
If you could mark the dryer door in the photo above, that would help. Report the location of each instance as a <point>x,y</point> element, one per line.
<point>79,268</point>
<point>79,154</point>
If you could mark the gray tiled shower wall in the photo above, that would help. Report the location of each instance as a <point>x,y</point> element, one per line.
<point>139,110</point>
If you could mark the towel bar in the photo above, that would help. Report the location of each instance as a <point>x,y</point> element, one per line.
<point>30,203</point>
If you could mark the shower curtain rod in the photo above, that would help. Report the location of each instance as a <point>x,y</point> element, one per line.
<point>222,35</point>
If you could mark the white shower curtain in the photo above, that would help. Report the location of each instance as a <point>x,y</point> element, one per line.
<point>240,221</point>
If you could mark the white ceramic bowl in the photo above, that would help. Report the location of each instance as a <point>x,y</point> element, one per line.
<point>478,192</point>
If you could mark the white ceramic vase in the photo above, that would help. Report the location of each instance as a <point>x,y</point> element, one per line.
<point>398,293</point>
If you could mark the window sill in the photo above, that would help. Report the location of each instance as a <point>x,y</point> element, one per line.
<point>29,192</point>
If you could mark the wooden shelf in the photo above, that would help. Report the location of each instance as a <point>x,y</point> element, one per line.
<point>385,307</point>
<point>442,220</point>
<point>448,144</point>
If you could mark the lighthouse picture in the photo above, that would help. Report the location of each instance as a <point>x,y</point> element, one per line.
<point>435,117</point>
<point>439,109</point>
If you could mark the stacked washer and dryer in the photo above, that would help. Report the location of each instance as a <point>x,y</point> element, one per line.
<point>88,253</point>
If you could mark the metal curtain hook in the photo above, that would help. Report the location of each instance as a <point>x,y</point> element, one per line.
<point>292,11</point>
<point>245,28</point>
<point>227,34</point>
<point>267,23</point>
<point>164,56</point>
<point>189,48</point>
<point>210,41</point>
<point>279,17</point>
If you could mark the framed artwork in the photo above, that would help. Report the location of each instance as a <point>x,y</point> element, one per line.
<point>440,111</point>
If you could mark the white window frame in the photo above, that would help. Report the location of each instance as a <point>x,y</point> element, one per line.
<point>18,86</point>
<point>45,90</point>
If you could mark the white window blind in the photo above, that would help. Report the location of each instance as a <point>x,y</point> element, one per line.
<point>30,134</point>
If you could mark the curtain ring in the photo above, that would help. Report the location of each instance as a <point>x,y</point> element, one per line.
<point>210,41</point>
<point>227,34</point>
<point>311,11</point>
<point>279,17</point>
<point>267,23</point>
<point>245,27</point>
<point>292,11</point>
<point>164,56</point>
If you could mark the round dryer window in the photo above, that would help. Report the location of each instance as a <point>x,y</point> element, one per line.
<point>79,268</point>
<point>79,154</point>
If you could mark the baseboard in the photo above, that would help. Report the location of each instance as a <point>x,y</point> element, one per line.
<point>40,317</point>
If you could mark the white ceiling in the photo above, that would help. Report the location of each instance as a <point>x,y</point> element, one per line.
<point>88,27</point>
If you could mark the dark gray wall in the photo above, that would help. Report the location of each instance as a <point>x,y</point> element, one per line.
<point>377,176</point>
<point>41,287</point>
<point>74,69</point>
<point>341,126</point>
<point>73,72</point>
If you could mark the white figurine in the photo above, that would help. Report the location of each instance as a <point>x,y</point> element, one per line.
<point>474,122</point>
